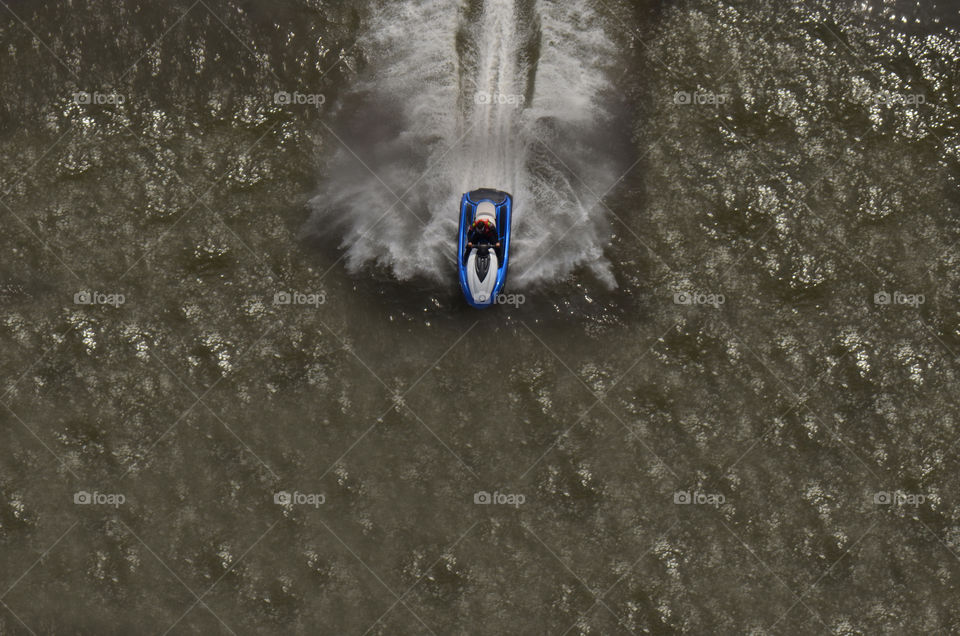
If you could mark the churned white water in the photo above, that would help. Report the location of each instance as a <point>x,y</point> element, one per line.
<point>500,94</point>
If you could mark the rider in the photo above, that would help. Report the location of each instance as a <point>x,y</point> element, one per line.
<point>482,231</point>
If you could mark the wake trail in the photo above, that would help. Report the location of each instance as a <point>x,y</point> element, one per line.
<point>505,94</point>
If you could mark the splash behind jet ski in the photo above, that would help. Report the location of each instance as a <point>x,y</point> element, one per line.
<point>483,265</point>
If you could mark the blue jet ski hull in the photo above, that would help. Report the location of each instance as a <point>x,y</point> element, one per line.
<point>468,209</point>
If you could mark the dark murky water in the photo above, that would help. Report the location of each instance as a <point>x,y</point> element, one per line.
<point>755,310</point>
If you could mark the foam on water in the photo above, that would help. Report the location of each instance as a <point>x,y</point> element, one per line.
<point>507,94</point>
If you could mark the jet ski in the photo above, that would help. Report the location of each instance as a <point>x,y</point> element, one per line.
<point>483,266</point>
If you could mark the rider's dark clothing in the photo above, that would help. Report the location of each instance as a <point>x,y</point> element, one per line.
<point>487,235</point>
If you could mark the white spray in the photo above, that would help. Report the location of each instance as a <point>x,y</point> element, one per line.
<point>458,98</point>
